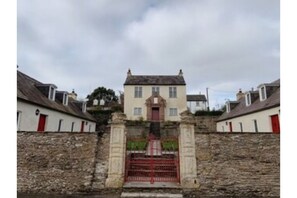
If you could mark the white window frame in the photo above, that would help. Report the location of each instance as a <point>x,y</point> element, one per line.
<point>84,107</point>
<point>173,112</point>
<point>155,90</point>
<point>262,93</point>
<point>137,111</point>
<point>228,109</point>
<point>72,126</point>
<point>172,92</point>
<point>248,99</point>
<point>60,124</point>
<point>65,99</point>
<point>241,126</point>
<point>52,93</point>
<point>19,115</point>
<point>137,92</point>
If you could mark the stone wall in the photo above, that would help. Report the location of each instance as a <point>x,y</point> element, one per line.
<point>61,162</point>
<point>241,164</point>
<point>228,164</point>
<point>205,123</point>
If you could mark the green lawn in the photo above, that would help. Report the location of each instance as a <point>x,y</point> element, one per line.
<point>138,145</point>
<point>169,145</point>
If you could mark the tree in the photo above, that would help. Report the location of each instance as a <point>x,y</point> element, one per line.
<point>108,95</point>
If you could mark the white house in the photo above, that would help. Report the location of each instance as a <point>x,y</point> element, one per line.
<point>154,97</point>
<point>196,103</point>
<point>254,111</point>
<point>41,107</point>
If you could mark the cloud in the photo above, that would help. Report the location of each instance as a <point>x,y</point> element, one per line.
<point>223,45</point>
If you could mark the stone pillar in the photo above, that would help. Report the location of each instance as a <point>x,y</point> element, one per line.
<point>187,151</point>
<point>117,152</point>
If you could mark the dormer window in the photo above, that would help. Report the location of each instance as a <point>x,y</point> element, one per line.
<point>52,93</point>
<point>262,93</point>
<point>228,109</point>
<point>84,107</point>
<point>65,99</point>
<point>248,99</point>
<point>62,96</point>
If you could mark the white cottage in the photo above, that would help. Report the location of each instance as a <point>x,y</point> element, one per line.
<point>154,97</point>
<point>254,111</point>
<point>41,107</point>
<point>196,103</point>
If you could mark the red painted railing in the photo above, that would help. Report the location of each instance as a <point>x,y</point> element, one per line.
<point>153,164</point>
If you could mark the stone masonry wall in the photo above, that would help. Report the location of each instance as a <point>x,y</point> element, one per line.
<point>228,164</point>
<point>60,162</point>
<point>205,123</point>
<point>241,164</point>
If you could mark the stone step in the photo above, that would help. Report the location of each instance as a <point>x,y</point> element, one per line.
<point>149,195</point>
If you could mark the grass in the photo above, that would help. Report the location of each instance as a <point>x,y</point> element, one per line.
<point>170,145</point>
<point>138,145</point>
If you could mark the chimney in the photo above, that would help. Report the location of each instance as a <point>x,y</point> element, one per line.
<point>73,94</point>
<point>129,73</point>
<point>239,95</point>
<point>180,72</point>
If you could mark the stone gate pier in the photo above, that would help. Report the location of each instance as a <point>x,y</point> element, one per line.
<point>187,151</point>
<point>117,151</point>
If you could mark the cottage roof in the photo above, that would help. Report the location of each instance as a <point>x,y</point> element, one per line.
<point>196,97</point>
<point>27,91</point>
<point>241,109</point>
<point>154,80</point>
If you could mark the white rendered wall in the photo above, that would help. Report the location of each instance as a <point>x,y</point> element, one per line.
<point>263,122</point>
<point>192,105</point>
<point>29,121</point>
<point>180,102</point>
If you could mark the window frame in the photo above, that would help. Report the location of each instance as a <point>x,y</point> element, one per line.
<point>248,99</point>
<point>155,90</point>
<point>173,112</point>
<point>52,93</point>
<point>262,93</point>
<point>137,92</point>
<point>137,111</point>
<point>172,92</point>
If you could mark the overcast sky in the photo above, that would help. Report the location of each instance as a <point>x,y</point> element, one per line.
<point>224,45</point>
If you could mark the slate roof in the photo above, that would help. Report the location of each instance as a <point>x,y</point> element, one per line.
<point>28,92</point>
<point>154,80</point>
<point>241,109</point>
<point>196,98</point>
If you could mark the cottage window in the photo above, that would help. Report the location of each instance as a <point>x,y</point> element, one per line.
<point>172,111</point>
<point>137,111</point>
<point>256,126</point>
<point>240,125</point>
<point>248,99</point>
<point>52,93</point>
<point>262,93</point>
<point>72,126</point>
<point>83,107</point>
<point>228,109</point>
<point>65,99</point>
<point>138,92</point>
<point>172,92</point>
<point>155,90</point>
<point>18,119</point>
<point>60,125</point>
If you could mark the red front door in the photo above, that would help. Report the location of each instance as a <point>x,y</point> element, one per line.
<point>275,124</point>
<point>155,114</point>
<point>41,123</point>
<point>82,126</point>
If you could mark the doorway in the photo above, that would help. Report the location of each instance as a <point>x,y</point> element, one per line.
<point>41,123</point>
<point>275,124</point>
<point>155,114</point>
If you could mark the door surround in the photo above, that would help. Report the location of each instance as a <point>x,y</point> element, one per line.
<point>155,102</point>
